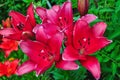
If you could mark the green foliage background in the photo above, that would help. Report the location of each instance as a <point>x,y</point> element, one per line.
<point>109,57</point>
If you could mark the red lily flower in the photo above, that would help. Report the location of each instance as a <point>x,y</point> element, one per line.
<point>43,53</point>
<point>8,67</point>
<point>8,46</point>
<point>22,25</point>
<point>86,41</point>
<point>61,16</point>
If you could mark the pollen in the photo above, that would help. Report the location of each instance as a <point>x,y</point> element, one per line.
<point>82,51</point>
<point>11,59</point>
<point>60,17</point>
<point>84,39</point>
<point>42,51</point>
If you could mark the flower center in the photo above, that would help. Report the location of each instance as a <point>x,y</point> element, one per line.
<point>82,51</point>
<point>45,55</point>
<point>20,26</point>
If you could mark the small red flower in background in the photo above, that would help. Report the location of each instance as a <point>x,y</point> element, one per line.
<point>86,41</point>
<point>8,68</point>
<point>21,25</point>
<point>6,23</point>
<point>8,45</point>
<point>2,69</point>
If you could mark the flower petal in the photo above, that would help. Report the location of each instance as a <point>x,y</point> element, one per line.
<point>41,35</point>
<point>2,69</point>
<point>55,44</point>
<point>11,33</point>
<point>17,18</point>
<point>67,65</point>
<point>66,14</point>
<point>81,30</point>
<point>56,8</point>
<point>7,31</point>
<point>43,66</point>
<point>11,67</point>
<point>26,67</point>
<point>97,44</point>
<point>28,26</point>
<point>92,64</point>
<point>70,54</point>
<point>50,29</point>
<point>41,13</point>
<point>32,49</point>
<point>88,18</point>
<point>52,15</point>
<point>99,28</point>
<point>30,12</point>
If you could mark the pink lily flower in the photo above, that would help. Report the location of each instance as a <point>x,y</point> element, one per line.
<point>43,53</point>
<point>86,41</point>
<point>61,16</point>
<point>22,25</point>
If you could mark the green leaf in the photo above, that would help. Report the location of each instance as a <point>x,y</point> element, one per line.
<point>111,46</point>
<point>115,52</point>
<point>106,10</point>
<point>114,68</point>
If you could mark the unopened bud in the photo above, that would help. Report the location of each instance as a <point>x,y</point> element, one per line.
<point>83,7</point>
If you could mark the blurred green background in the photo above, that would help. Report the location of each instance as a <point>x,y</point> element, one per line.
<point>109,57</point>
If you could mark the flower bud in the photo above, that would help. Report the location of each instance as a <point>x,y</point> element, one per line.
<point>83,7</point>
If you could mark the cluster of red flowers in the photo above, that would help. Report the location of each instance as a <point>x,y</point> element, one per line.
<point>42,43</point>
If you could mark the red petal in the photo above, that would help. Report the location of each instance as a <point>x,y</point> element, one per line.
<point>66,13</point>
<point>7,31</point>
<point>11,33</point>
<point>27,25</point>
<point>43,66</point>
<point>32,49</point>
<point>50,29</point>
<point>2,69</point>
<point>11,67</point>
<point>42,13</point>
<point>70,54</point>
<point>16,19</point>
<point>30,12</point>
<point>15,36</point>
<point>52,15</point>
<point>55,44</point>
<point>41,35</point>
<point>97,44</point>
<point>26,67</point>
<point>81,30</point>
<point>56,8</point>
<point>92,64</point>
<point>67,65</point>
<point>99,28</point>
<point>88,18</point>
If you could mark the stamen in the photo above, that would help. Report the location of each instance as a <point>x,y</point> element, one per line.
<point>84,39</point>
<point>42,51</point>
<point>20,26</point>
